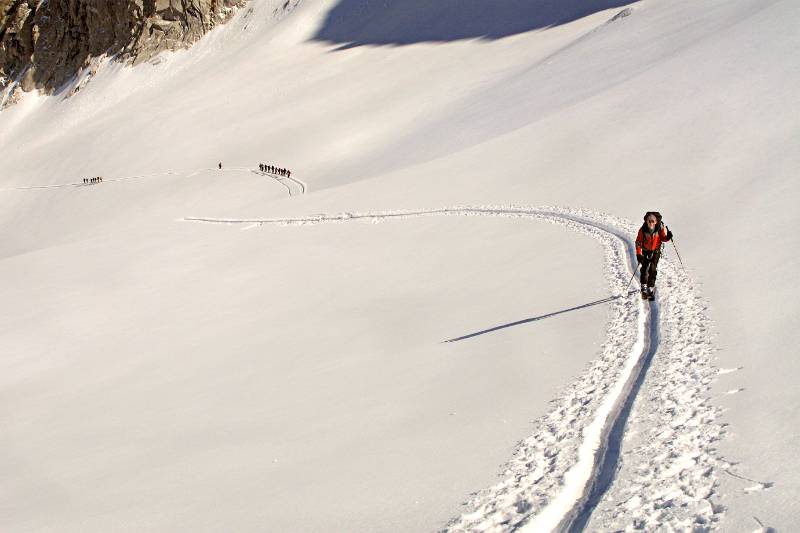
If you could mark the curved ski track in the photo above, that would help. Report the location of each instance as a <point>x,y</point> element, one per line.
<point>283,181</point>
<point>565,476</point>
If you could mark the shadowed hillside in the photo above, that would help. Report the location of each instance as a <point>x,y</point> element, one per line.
<point>370,22</point>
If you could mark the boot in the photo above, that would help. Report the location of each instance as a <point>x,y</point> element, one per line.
<point>651,293</point>
<point>645,293</point>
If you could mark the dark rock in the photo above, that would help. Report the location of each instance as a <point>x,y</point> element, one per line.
<point>45,44</point>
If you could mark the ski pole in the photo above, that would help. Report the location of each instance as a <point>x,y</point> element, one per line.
<point>676,251</point>
<point>679,256</point>
<point>631,280</point>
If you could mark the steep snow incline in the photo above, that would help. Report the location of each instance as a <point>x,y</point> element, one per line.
<point>559,474</point>
<point>263,84</point>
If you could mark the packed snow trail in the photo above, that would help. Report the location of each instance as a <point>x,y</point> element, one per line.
<point>607,467</point>
<point>566,471</point>
<point>294,187</point>
<point>301,186</point>
<point>189,173</point>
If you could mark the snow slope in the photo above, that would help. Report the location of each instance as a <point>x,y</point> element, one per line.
<point>159,374</point>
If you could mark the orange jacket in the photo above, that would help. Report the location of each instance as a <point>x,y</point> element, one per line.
<point>650,242</point>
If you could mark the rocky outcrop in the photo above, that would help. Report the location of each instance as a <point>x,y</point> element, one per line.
<point>44,43</point>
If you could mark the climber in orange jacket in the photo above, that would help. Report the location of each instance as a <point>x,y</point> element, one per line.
<point>648,251</point>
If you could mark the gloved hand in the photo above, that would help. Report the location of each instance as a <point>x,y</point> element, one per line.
<point>669,235</point>
<point>640,259</point>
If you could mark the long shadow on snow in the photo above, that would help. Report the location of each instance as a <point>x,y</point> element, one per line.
<point>540,317</point>
<point>355,23</point>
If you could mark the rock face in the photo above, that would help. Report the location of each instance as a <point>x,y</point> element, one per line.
<point>44,43</point>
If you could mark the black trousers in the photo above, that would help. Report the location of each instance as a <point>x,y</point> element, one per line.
<point>650,268</point>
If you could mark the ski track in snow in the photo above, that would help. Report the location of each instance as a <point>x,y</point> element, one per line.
<point>293,186</point>
<point>283,181</point>
<point>661,476</point>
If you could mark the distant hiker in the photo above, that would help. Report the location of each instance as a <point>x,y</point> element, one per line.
<point>288,173</point>
<point>648,251</point>
<point>220,166</point>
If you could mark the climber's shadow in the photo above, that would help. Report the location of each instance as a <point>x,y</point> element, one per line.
<point>541,317</point>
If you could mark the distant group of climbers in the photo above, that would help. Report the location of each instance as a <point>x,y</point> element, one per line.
<point>272,169</point>
<point>87,181</point>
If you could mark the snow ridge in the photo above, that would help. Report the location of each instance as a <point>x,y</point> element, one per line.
<point>551,483</point>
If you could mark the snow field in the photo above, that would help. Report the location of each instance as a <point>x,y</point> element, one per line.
<point>166,377</point>
<point>550,478</point>
<point>682,106</point>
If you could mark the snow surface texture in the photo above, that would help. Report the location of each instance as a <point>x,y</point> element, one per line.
<point>686,107</point>
<point>557,474</point>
